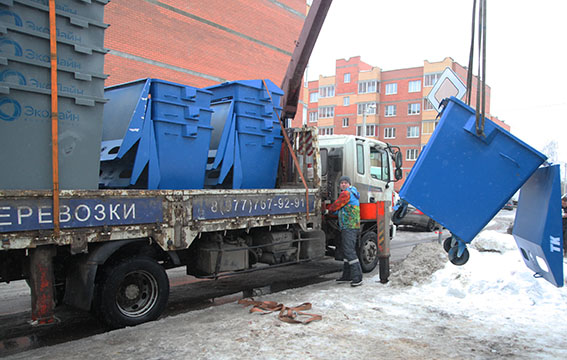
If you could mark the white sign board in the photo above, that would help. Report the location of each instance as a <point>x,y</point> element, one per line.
<point>448,85</point>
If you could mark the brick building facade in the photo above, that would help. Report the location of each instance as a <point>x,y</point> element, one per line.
<point>201,43</point>
<point>392,103</point>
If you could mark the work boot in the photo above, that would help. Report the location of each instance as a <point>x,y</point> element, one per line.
<point>345,276</point>
<point>356,283</point>
<point>356,272</point>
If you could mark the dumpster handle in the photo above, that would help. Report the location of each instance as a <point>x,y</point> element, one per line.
<point>288,143</point>
<point>54,118</point>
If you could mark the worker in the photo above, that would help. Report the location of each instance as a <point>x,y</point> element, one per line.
<point>347,206</point>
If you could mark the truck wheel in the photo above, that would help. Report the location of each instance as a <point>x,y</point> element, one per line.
<point>368,252</point>
<point>132,292</point>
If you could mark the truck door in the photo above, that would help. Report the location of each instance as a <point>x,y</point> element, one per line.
<point>379,175</point>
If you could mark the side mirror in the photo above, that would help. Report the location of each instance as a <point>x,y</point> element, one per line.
<point>398,174</point>
<point>398,160</point>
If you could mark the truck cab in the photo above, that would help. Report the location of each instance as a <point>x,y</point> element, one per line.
<point>369,163</point>
<point>372,166</point>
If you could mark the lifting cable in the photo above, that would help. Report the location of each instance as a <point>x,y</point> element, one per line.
<point>481,84</point>
<point>288,143</point>
<point>54,118</point>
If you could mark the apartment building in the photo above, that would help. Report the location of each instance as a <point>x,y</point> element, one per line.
<point>390,105</point>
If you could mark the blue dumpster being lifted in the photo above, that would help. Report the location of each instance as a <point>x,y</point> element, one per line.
<point>246,139</point>
<point>462,179</point>
<point>156,135</point>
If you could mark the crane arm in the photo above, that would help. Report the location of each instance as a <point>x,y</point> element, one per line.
<point>291,85</point>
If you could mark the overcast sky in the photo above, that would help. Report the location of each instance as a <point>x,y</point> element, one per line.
<point>526,52</point>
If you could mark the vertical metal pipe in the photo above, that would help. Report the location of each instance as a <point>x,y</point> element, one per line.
<point>383,224</point>
<point>41,284</point>
<point>54,118</point>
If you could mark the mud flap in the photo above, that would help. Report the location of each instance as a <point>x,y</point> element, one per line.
<point>538,228</point>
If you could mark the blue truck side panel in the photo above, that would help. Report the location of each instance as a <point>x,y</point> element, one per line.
<point>221,207</point>
<point>36,214</point>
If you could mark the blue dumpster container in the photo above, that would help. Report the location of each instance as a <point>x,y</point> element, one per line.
<point>538,229</point>
<point>166,125</point>
<point>259,159</point>
<point>462,180</point>
<point>182,154</point>
<point>246,138</point>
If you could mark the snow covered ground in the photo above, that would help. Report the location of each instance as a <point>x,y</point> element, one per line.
<point>492,307</point>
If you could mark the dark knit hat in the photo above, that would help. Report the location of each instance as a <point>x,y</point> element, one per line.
<point>345,178</point>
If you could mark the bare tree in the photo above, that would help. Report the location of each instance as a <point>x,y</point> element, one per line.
<point>550,149</point>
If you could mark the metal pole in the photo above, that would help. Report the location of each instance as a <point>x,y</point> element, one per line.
<point>382,216</point>
<point>363,132</point>
<point>41,284</point>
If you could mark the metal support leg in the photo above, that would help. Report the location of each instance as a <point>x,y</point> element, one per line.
<point>383,223</point>
<point>41,284</point>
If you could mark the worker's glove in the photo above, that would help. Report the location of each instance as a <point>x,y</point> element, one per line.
<point>326,212</point>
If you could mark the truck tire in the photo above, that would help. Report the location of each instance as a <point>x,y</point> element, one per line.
<point>368,251</point>
<point>132,291</point>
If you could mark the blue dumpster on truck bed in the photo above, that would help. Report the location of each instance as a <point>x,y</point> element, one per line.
<point>156,135</point>
<point>247,135</point>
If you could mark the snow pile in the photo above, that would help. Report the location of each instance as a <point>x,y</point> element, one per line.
<point>419,265</point>
<point>494,241</point>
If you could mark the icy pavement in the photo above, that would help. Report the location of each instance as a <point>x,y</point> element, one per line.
<point>492,307</point>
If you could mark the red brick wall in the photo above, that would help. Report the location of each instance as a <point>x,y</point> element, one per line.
<point>122,70</point>
<point>155,33</point>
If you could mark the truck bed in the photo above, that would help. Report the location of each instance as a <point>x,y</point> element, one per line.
<point>172,218</point>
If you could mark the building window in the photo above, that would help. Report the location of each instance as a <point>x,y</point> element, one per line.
<point>370,130</point>
<point>368,108</point>
<point>428,127</point>
<point>414,86</point>
<point>304,117</point>
<point>427,105</point>
<point>430,79</point>
<point>391,89</point>
<point>313,97</point>
<point>411,154</point>
<point>326,131</point>
<point>346,101</point>
<point>345,122</point>
<point>414,109</point>
<point>347,78</point>
<point>327,91</point>
<point>369,86</point>
<point>326,112</point>
<point>413,131</point>
<point>390,110</point>
<point>389,133</point>
<point>313,116</point>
